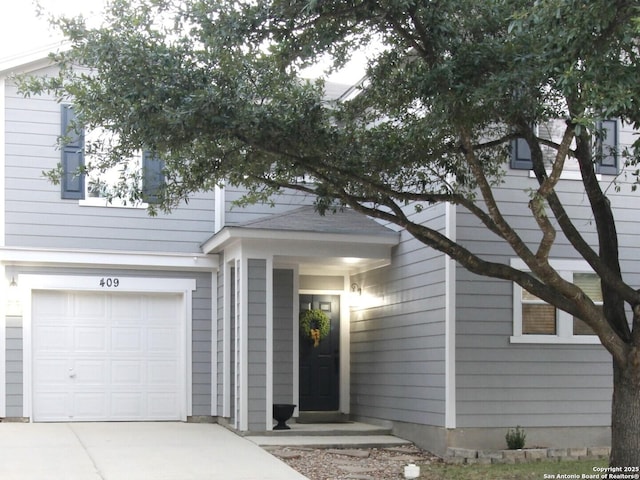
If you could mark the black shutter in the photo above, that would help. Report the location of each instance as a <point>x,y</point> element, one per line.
<point>521,155</point>
<point>72,181</point>
<point>607,147</point>
<point>152,176</point>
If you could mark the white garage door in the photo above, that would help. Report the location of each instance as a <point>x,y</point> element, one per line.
<point>107,357</point>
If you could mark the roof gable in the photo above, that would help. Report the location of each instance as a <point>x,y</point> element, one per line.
<point>307,219</point>
<point>30,61</point>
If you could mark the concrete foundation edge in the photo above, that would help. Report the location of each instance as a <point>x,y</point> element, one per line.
<point>440,440</point>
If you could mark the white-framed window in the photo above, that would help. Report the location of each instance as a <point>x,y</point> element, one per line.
<point>535,321</point>
<point>98,184</point>
<point>92,188</point>
<point>605,143</point>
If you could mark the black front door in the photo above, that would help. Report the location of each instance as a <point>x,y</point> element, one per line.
<point>320,365</point>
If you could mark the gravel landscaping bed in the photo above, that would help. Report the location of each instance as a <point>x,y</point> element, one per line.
<point>353,463</point>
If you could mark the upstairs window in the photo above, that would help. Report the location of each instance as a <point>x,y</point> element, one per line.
<point>535,321</point>
<point>605,151</point>
<point>92,188</point>
<point>521,155</point>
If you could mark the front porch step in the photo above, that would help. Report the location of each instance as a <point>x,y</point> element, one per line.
<point>328,435</point>
<point>349,429</point>
<point>322,417</point>
<point>329,441</point>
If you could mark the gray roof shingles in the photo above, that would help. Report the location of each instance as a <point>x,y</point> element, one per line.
<point>306,219</point>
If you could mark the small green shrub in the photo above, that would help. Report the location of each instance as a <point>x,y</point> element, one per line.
<point>516,438</point>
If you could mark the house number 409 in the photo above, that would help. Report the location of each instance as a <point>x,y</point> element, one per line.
<point>109,282</point>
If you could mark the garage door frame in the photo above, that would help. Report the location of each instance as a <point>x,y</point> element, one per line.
<point>108,284</point>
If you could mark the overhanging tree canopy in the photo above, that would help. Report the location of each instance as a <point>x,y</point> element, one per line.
<point>214,88</point>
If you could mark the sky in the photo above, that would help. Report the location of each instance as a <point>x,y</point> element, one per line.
<point>21,31</point>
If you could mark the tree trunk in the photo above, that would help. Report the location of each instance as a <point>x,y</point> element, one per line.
<point>625,414</point>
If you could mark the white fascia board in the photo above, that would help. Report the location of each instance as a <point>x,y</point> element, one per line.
<point>120,259</point>
<point>30,61</point>
<point>28,282</point>
<point>313,268</point>
<point>228,234</point>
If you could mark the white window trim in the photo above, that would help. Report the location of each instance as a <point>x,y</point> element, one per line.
<point>566,268</point>
<point>115,203</point>
<point>566,175</point>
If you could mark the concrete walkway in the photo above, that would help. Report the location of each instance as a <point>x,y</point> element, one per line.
<point>133,451</point>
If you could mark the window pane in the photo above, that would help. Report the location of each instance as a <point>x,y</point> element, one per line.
<point>101,184</point>
<point>590,284</point>
<point>581,328</point>
<point>538,319</point>
<point>528,296</point>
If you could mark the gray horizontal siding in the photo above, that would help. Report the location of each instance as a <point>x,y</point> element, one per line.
<point>283,296</point>
<point>14,371</point>
<point>201,344</point>
<point>397,349</point>
<point>288,200</point>
<point>256,343</point>
<point>32,127</point>
<point>500,384</point>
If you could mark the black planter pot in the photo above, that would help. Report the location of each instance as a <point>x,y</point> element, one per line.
<point>281,413</point>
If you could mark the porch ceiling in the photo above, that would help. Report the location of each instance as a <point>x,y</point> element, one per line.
<point>331,265</point>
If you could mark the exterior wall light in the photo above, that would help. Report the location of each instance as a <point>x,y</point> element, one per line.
<point>14,307</point>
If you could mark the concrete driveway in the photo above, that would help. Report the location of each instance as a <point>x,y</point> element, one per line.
<point>133,451</point>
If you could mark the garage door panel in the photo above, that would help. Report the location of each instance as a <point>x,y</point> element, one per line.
<point>161,405</point>
<point>126,339</point>
<point>53,405</point>
<point>90,372</point>
<point>88,305</point>
<point>51,372</point>
<point>128,310</point>
<point>53,338</point>
<point>126,372</point>
<point>90,339</point>
<point>162,373</point>
<point>50,305</point>
<point>90,406</point>
<point>101,356</point>
<point>163,309</point>
<point>162,340</point>
<point>126,406</point>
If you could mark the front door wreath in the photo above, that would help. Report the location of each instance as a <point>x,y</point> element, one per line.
<point>314,325</point>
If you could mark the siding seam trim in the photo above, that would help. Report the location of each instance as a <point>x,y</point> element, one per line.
<point>450,322</point>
